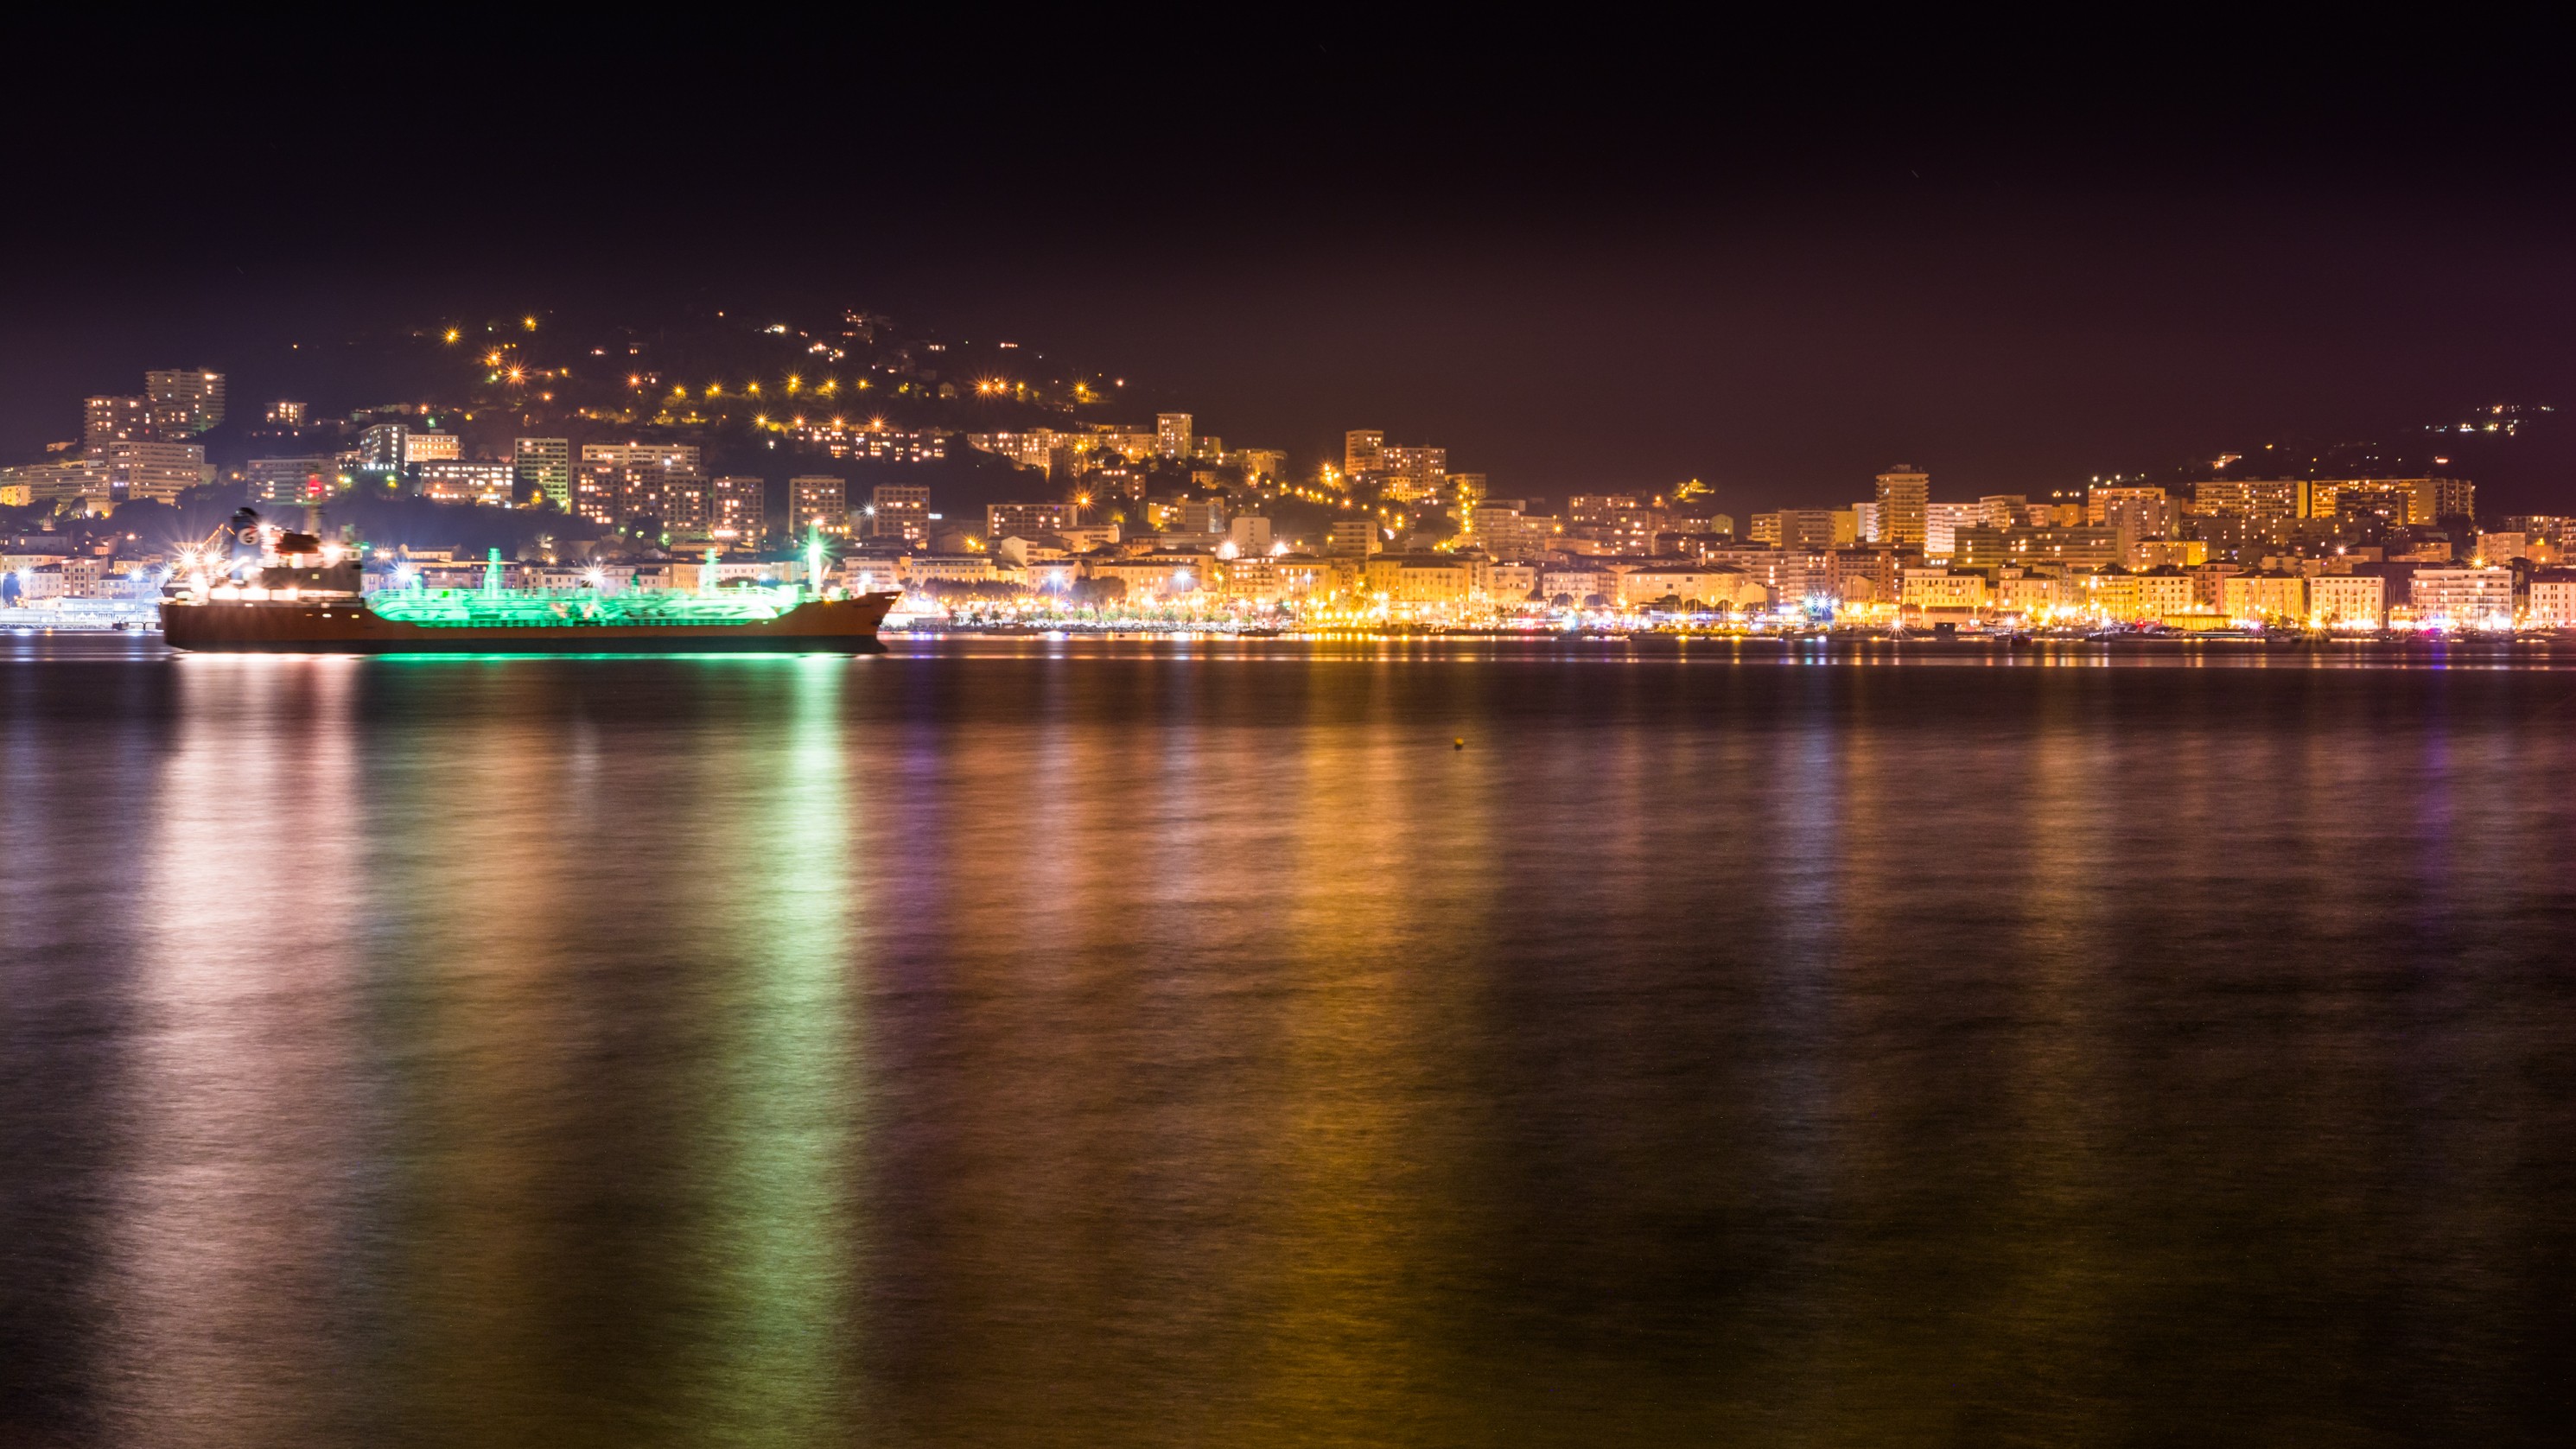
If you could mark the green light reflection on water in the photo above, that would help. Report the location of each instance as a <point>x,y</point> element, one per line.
<point>785,1134</point>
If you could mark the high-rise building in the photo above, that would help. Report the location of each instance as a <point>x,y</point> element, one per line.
<point>1977,546</point>
<point>1942,522</point>
<point>1503,530</point>
<point>819,502</point>
<point>685,510</point>
<point>1903,496</point>
<point>2438,498</point>
<point>1813,528</point>
<point>1360,449</point>
<point>1350,538</point>
<point>159,472</point>
<point>1026,520</point>
<point>1172,434</point>
<point>304,480</point>
<point>1865,522</point>
<point>185,402</point>
<point>454,480</point>
<point>1249,533</point>
<point>1429,464</point>
<point>76,481</point>
<point>899,511</point>
<point>542,467</point>
<point>106,420</point>
<point>2100,502</point>
<point>382,446</point>
<point>619,481</point>
<point>283,414</point>
<point>740,508</point>
<point>432,447</point>
<point>1599,507</point>
<point>2260,501</point>
<point>2420,502</point>
<point>670,457</point>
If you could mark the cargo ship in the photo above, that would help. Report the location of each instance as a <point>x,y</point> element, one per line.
<point>283,592</point>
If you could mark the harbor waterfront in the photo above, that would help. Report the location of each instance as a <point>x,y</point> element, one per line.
<point>1009,1040</point>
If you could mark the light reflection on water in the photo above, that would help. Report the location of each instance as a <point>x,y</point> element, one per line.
<point>1074,1042</point>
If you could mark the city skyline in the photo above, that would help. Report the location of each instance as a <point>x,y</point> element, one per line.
<point>1596,270</point>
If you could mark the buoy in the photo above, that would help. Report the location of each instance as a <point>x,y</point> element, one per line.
<point>1458,744</point>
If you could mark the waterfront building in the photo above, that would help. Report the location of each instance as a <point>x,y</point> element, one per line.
<point>2035,596</point>
<point>2462,598</point>
<point>1421,579</point>
<point>1708,586</point>
<point>1251,577</point>
<point>1570,583</point>
<point>2264,598</point>
<point>948,568</point>
<point>1157,576</point>
<point>1942,589</point>
<point>2356,601</point>
<point>2553,600</point>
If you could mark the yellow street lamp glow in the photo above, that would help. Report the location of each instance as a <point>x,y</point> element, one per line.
<point>528,322</point>
<point>452,335</point>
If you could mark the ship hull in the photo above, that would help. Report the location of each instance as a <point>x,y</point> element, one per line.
<point>820,626</point>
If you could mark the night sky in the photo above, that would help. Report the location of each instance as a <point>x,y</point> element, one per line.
<point>1754,256</point>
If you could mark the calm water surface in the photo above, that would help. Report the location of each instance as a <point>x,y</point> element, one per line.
<point>1015,1043</point>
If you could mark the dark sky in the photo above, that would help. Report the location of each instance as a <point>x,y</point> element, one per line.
<point>1763,256</point>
